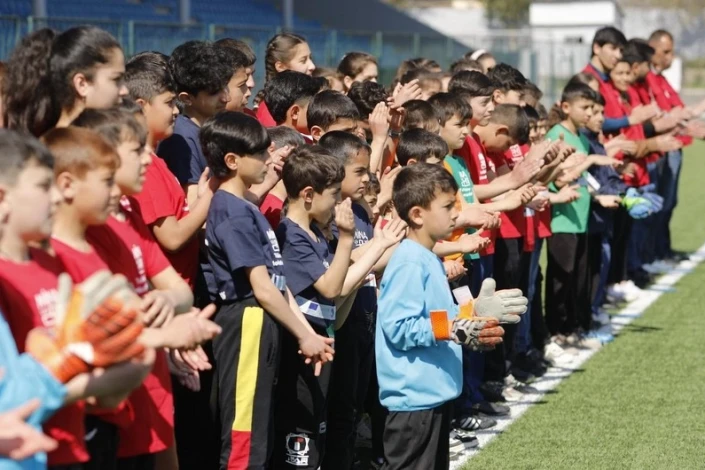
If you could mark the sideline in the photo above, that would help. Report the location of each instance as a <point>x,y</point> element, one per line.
<point>555,375</point>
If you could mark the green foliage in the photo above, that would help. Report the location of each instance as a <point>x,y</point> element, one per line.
<point>508,13</point>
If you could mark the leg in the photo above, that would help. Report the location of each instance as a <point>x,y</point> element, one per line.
<point>582,283</point>
<point>417,439</point>
<point>559,283</point>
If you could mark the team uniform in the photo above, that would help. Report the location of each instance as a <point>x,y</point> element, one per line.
<point>246,353</point>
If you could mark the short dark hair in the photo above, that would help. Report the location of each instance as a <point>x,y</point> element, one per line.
<point>343,145</point>
<point>464,64</point>
<point>448,105</point>
<point>472,83</point>
<point>416,185</point>
<point>287,89</point>
<point>599,99</point>
<point>147,75</point>
<point>200,66</point>
<point>19,150</point>
<point>366,95</point>
<point>576,91</point>
<point>637,51</point>
<point>532,90</point>
<point>373,187</point>
<point>514,117</point>
<point>543,113</point>
<point>420,145</point>
<point>609,35</point>
<point>329,106</point>
<point>231,132</point>
<point>311,165</point>
<point>115,125</point>
<point>422,75</point>
<point>238,59</point>
<point>240,46</point>
<point>419,114</point>
<point>583,78</point>
<point>532,115</point>
<point>507,78</point>
<point>282,136</point>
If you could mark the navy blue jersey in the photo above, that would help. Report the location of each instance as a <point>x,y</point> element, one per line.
<point>305,261</point>
<point>239,237</point>
<point>182,151</point>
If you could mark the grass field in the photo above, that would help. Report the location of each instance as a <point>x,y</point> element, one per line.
<point>638,403</point>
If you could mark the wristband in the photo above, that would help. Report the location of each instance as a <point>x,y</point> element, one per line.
<point>440,325</point>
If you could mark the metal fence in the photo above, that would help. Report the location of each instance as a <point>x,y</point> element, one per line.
<point>548,64</point>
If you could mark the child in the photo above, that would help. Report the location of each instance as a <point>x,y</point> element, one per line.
<point>335,81</point>
<point>331,111</point>
<point>238,86</point>
<point>463,64</point>
<point>287,97</point>
<point>419,369</point>
<point>421,146</point>
<point>317,278</point>
<point>428,81</point>
<point>354,332</point>
<point>161,203</point>
<point>420,114</point>
<point>273,203</point>
<point>249,281</point>
<point>484,58</point>
<point>285,51</point>
<point>509,85</point>
<point>201,72</point>
<point>357,67</point>
<point>251,58</point>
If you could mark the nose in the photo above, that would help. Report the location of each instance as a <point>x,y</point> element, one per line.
<point>123,91</point>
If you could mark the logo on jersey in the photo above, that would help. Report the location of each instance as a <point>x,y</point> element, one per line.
<point>45,301</point>
<point>275,248</point>
<point>141,285</point>
<point>297,449</point>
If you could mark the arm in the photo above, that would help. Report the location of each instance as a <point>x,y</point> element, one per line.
<point>172,234</point>
<point>330,285</point>
<point>614,125</point>
<point>172,285</point>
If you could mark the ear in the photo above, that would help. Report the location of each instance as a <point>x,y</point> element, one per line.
<point>231,160</point>
<point>142,102</point>
<point>4,204</point>
<point>412,161</point>
<point>347,82</point>
<point>595,49</point>
<point>80,84</point>
<point>501,129</point>
<point>498,96</point>
<point>279,66</point>
<point>565,107</point>
<point>65,184</point>
<point>306,194</point>
<point>185,98</point>
<point>416,216</point>
<point>317,133</point>
<point>293,113</point>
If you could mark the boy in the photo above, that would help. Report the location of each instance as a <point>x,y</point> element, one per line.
<point>418,335</point>
<point>420,114</point>
<point>421,146</point>
<point>354,336</point>
<point>202,73</point>
<point>509,85</point>
<point>273,203</point>
<point>238,87</point>
<point>247,272</point>
<point>250,59</point>
<point>288,95</point>
<point>331,111</point>
<point>161,203</point>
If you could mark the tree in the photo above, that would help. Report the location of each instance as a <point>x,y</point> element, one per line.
<point>508,13</point>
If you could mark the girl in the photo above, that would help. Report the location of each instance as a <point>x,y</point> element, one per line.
<point>357,67</point>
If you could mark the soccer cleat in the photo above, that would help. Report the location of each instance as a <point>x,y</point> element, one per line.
<point>490,409</point>
<point>473,423</point>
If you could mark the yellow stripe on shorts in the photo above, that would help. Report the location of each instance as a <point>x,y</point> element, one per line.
<point>247,366</point>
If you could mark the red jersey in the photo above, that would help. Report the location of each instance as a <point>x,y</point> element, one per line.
<point>473,152</point>
<point>138,257</point>
<point>28,295</point>
<point>543,222</point>
<point>271,208</point>
<point>264,116</point>
<point>513,223</point>
<point>666,97</point>
<point>163,197</point>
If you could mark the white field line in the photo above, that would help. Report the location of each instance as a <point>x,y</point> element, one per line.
<point>555,375</point>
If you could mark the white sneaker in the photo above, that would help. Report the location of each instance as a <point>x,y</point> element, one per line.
<point>555,354</point>
<point>657,267</point>
<point>615,293</point>
<point>512,395</point>
<point>601,317</point>
<point>631,291</point>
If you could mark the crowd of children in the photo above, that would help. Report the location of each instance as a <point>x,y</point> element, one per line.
<point>188,282</point>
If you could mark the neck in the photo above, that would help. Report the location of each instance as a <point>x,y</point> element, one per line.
<point>595,61</point>
<point>69,115</point>
<point>421,237</point>
<point>13,247</point>
<point>69,229</point>
<point>195,116</point>
<point>570,125</point>
<point>234,186</point>
<point>152,141</point>
<point>297,213</point>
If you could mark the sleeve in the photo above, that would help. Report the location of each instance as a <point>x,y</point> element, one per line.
<point>155,201</point>
<point>197,162</point>
<point>176,152</point>
<point>240,241</point>
<point>401,308</point>
<point>24,379</point>
<point>649,130</point>
<point>154,259</point>
<point>302,265</point>
<point>614,125</point>
<point>271,209</point>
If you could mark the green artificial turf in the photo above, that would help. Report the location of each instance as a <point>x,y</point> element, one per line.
<point>639,403</point>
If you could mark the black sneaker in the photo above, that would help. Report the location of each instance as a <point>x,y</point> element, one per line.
<point>492,391</point>
<point>526,389</point>
<point>459,438</point>
<point>473,423</point>
<point>490,409</point>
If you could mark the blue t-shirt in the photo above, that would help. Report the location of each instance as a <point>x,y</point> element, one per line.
<point>239,237</point>
<point>305,261</point>
<point>182,151</point>
<point>415,372</point>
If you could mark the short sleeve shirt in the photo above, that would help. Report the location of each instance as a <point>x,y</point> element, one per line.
<point>458,168</point>
<point>182,151</point>
<point>305,261</point>
<point>239,237</point>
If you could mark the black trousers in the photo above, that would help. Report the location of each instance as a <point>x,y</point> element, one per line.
<point>620,240</point>
<point>511,271</point>
<point>300,410</point>
<point>102,445</point>
<point>378,414</point>
<point>417,440</point>
<point>246,356</point>
<point>138,462</point>
<point>352,368</point>
<point>567,284</point>
<point>539,332</point>
<point>594,265</point>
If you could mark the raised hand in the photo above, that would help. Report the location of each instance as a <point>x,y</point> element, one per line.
<point>344,217</point>
<point>379,121</point>
<point>391,234</point>
<point>505,305</point>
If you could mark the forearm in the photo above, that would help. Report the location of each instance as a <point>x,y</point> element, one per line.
<point>446,248</point>
<point>378,147</point>
<point>272,301</point>
<point>173,234</point>
<point>499,185</point>
<point>505,204</point>
<point>330,284</point>
<point>359,270</point>
<point>297,311</point>
<point>181,298</point>
<point>614,125</point>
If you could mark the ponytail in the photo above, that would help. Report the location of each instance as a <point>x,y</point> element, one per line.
<point>279,49</point>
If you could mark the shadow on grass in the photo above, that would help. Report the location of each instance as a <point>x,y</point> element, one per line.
<point>631,328</point>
